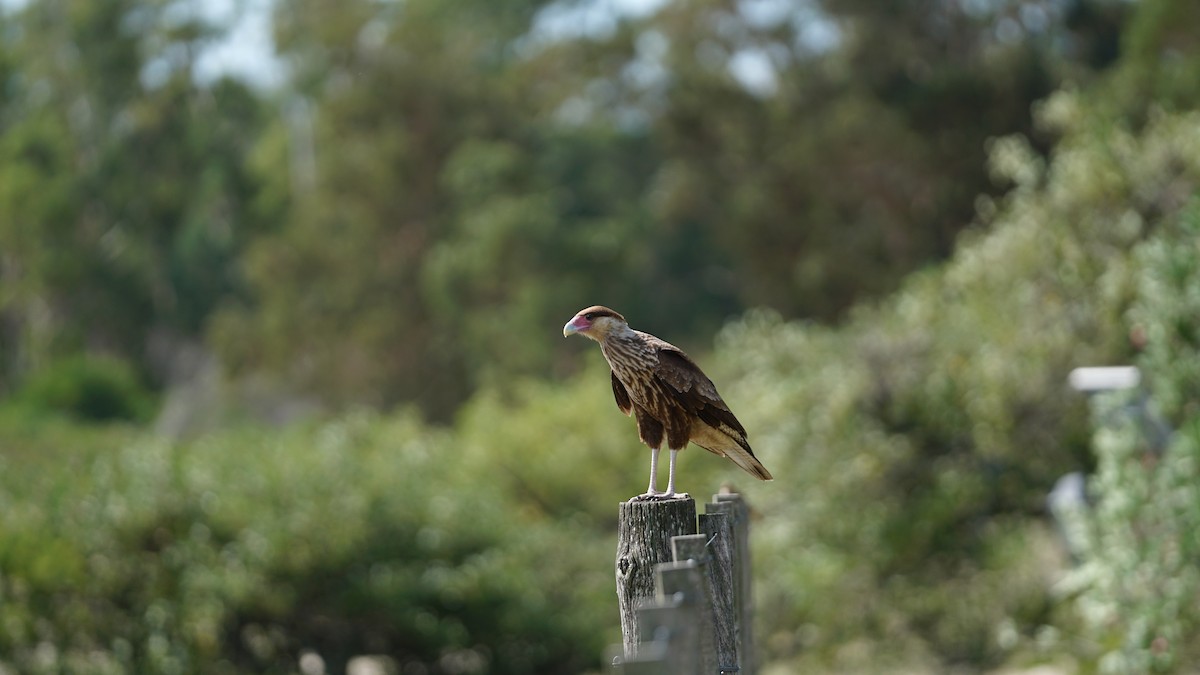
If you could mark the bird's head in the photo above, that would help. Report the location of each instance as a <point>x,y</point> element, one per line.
<point>596,322</point>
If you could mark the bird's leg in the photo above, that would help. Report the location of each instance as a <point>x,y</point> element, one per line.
<point>671,475</point>
<point>652,491</point>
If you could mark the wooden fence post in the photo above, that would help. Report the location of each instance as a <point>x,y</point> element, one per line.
<point>692,550</point>
<point>697,617</point>
<point>670,643</point>
<point>717,528</point>
<point>739,513</point>
<point>644,531</point>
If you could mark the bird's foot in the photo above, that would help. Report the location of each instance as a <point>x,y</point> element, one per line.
<point>660,496</point>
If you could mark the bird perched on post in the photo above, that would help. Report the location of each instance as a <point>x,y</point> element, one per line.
<point>668,395</point>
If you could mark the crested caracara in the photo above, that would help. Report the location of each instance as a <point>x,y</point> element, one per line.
<point>667,393</point>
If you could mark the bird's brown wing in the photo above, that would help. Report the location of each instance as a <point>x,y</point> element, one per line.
<point>622,396</point>
<point>695,393</point>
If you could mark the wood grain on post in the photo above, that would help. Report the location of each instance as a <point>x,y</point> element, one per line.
<point>739,512</point>
<point>683,582</point>
<point>668,637</point>
<point>717,528</point>
<point>693,549</point>
<point>644,531</point>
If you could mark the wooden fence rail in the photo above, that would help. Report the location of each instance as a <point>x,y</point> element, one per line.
<point>683,587</point>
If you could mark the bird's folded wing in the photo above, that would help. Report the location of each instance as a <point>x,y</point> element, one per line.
<point>694,391</point>
<point>621,395</point>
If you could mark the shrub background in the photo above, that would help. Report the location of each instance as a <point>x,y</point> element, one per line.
<point>339,304</point>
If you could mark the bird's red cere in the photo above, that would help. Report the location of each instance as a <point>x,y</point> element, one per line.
<point>577,324</point>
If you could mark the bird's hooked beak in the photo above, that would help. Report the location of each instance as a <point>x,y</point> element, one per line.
<point>575,325</point>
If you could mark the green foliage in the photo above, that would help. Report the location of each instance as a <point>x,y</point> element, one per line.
<point>1138,580</point>
<point>440,184</point>
<point>94,389</point>
<point>920,438</point>
<point>436,189</point>
<point>1167,314</point>
<point>915,444</point>
<point>124,195</point>
<point>815,190</point>
<point>238,551</point>
<point>1137,585</point>
<point>463,183</point>
<point>1162,58</point>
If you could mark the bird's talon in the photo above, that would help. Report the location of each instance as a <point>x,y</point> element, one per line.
<point>660,496</point>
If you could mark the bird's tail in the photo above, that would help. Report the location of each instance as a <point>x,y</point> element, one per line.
<point>748,462</point>
<point>726,444</point>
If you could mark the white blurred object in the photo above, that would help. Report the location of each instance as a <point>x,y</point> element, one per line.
<point>1069,507</point>
<point>1105,378</point>
<point>371,665</point>
<point>311,663</point>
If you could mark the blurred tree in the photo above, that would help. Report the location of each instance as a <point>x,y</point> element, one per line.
<point>449,223</point>
<point>861,157</point>
<point>1161,63</point>
<point>395,89</point>
<point>463,177</point>
<point>123,191</point>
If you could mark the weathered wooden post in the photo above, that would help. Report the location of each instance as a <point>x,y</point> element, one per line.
<point>692,550</point>
<point>739,516</point>
<point>717,529</point>
<point>644,531</point>
<point>685,598</point>
<point>672,641</point>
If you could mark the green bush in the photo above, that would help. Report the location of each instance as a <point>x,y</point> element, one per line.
<point>239,551</point>
<point>1138,584</point>
<point>914,445</point>
<point>88,388</point>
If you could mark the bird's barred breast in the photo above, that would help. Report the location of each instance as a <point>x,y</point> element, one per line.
<point>629,358</point>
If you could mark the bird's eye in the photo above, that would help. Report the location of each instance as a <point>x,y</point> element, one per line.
<point>589,316</point>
